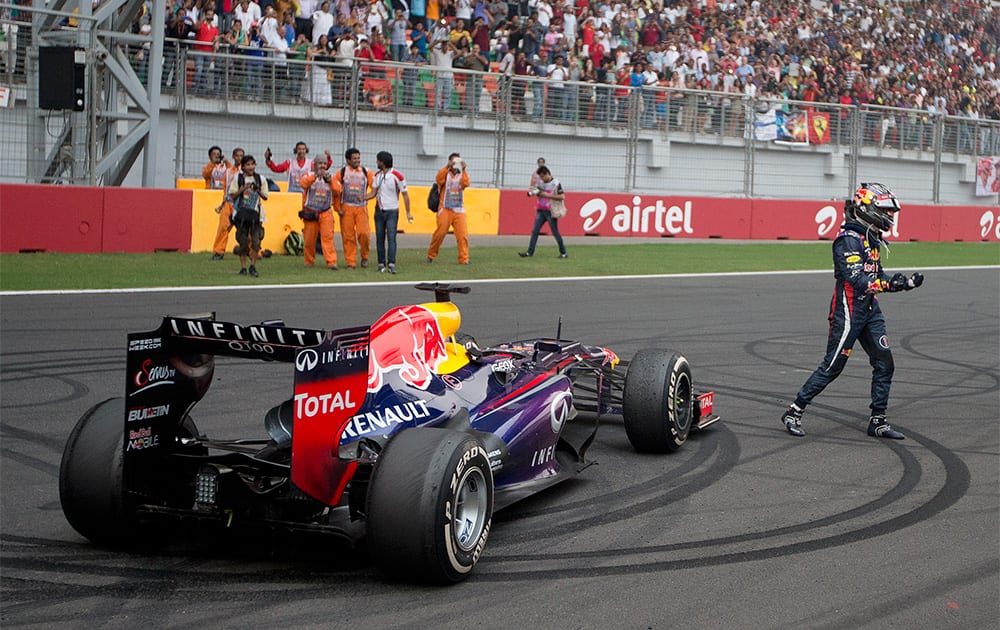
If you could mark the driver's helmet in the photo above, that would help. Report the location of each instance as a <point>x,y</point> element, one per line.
<point>873,206</point>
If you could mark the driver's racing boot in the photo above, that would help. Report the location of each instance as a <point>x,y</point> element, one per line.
<point>878,427</point>
<point>793,420</point>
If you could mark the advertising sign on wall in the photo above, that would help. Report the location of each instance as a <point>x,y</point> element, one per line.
<point>618,214</point>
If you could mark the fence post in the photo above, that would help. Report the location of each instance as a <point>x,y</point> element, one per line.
<point>938,150</point>
<point>501,129</point>
<point>351,124</point>
<point>631,138</point>
<point>749,107</point>
<point>227,70</point>
<point>854,146</point>
<point>180,82</point>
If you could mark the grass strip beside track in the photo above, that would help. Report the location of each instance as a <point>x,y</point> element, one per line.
<point>47,271</point>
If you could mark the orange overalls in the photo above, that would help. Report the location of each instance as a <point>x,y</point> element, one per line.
<point>318,197</point>
<point>217,177</point>
<point>353,185</point>
<point>451,214</point>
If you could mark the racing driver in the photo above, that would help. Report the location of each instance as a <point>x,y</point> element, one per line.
<point>854,313</point>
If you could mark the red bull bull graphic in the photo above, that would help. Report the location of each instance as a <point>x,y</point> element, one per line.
<point>408,340</point>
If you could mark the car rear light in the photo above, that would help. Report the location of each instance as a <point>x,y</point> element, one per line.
<point>206,487</point>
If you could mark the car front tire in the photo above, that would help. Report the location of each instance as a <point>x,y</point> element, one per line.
<point>658,401</point>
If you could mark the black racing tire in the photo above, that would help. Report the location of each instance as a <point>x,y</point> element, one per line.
<point>430,506</point>
<point>658,401</point>
<point>90,476</point>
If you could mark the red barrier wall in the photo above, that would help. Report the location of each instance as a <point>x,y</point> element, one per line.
<point>764,219</point>
<point>92,220</point>
<point>139,220</point>
<point>50,218</point>
<point>80,219</point>
<point>964,223</point>
<point>809,220</point>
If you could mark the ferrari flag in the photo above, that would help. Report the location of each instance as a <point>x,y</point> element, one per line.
<point>819,128</point>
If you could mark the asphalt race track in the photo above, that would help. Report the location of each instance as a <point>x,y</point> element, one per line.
<point>744,527</point>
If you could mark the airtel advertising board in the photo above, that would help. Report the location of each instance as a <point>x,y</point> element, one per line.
<point>618,214</point>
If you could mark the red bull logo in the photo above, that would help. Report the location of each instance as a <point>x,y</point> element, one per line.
<point>407,340</point>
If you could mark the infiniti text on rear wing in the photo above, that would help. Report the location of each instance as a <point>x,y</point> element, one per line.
<point>268,341</point>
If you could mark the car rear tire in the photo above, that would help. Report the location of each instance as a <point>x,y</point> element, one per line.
<point>90,476</point>
<point>430,505</point>
<point>658,401</point>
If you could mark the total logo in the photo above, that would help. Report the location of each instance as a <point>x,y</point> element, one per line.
<point>829,218</point>
<point>637,218</point>
<point>307,406</point>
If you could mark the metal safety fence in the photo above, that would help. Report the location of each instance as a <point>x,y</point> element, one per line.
<point>239,91</point>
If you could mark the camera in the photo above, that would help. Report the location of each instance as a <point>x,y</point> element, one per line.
<point>532,191</point>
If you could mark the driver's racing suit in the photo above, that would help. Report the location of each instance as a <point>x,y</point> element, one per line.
<point>855,316</point>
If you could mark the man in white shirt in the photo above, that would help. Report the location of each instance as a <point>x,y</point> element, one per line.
<point>247,13</point>
<point>544,13</point>
<point>269,29</point>
<point>387,186</point>
<point>443,58</point>
<point>322,20</point>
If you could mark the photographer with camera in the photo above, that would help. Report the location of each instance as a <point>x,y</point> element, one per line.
<point>549,207</point>
<point>452,180</point>
<point>317,199</point>
<point>247,190</point>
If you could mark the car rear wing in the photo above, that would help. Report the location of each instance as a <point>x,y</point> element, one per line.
<point>169,369</point>
<point>266,341</point>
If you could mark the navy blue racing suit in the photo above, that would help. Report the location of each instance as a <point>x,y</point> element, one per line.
<point>855,316</point>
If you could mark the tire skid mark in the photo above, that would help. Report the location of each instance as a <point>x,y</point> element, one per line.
<point>696,459</point>
<point>955,486</point>
<point>727,454</point>
<point>78,390</point>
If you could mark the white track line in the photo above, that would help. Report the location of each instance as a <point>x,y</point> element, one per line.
<point>480,281</point>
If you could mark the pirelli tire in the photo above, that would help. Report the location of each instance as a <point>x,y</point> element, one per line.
<point>430,506</point>
<point>91,492</point>
<point>658,401</point>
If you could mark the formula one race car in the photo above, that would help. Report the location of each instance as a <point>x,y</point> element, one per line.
<point>403,432</point>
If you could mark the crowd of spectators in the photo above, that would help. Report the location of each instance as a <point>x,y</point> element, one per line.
<point>938,56</point>
<point>932,55</point>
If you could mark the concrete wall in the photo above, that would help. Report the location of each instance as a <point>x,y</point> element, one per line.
<point>584,159</point>
<point>592,159</point>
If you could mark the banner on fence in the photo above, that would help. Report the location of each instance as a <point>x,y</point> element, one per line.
<point>819,127</point>
<point>987,176</point>
<point>792,128</point>
<point>765,125</point>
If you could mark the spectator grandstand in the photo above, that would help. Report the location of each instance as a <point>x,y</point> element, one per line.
<point>911,75</point>
<point>930,56</point>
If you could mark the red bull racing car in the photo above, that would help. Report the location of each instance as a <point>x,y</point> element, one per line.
<point>404,433</point>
